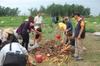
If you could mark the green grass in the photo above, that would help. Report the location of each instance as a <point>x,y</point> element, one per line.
<point>11,21</point>
<point>16,21</point>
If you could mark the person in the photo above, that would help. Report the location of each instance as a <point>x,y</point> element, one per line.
<point>53,18</point>
<point>7,36</point>
<point>24,30</point>
<point>38,24</point>
<point>15,46</point>
<point>38,20</point>
<point>57,19</point>
<point>69,29</point>
<point>79,36</point>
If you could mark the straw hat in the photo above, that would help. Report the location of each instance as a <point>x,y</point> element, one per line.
<point>9,30</point>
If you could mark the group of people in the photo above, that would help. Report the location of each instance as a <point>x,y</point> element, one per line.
<point>74,37</point>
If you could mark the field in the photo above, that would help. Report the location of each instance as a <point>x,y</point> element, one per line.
<point>92,43</point>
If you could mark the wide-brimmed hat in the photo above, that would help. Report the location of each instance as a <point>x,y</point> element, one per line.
<point>9,30</point>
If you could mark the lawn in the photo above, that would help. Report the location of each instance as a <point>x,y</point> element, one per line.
<point>92,23</point>
<point>92,43</point>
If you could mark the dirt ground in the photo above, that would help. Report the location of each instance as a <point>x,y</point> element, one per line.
<point>91,55</point>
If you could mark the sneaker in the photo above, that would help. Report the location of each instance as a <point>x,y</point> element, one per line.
<point>78,58</point>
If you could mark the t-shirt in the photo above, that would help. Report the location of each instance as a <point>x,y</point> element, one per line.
<point>69,26</point>
<point>38,20</point>
<point>15,47</point>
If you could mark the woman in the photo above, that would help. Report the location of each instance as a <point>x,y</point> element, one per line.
<point>24,30</point>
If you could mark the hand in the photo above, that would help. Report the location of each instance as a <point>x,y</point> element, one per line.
<point>79,37</point>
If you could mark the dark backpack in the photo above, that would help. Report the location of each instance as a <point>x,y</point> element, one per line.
<point>14,59</point>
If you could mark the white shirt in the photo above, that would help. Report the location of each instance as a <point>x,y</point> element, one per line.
<point>38,20</point>
<point>15,47</point>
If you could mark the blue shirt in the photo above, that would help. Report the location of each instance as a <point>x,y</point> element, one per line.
<point>69,26</point>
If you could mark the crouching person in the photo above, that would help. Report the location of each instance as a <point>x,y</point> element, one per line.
<point>12,53</point>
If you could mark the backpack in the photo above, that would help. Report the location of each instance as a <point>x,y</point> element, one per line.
<point>14,59</point>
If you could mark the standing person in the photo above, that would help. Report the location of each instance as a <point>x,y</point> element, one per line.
<point>79,36</point>
<point>69,29</point>
<point>38,24</point>
<point>24,31</point>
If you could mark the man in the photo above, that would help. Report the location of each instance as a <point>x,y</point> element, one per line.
<point>38,20</point>
<point>79,36</point>
<point>38,24</point>
<point>69,29</point>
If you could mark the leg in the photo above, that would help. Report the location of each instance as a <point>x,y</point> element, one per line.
<point>78,50</point>
<point>25,40</point>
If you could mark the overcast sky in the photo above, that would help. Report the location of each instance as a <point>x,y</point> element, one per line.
<point>24,5</point>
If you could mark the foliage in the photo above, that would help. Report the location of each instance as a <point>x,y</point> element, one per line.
<point>62,10</point>
<point>6,11</point>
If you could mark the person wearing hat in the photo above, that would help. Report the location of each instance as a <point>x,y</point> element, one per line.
<point>8,39</point>
<point>8,36</point>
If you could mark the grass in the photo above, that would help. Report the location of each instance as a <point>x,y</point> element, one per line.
<point>91,26</point>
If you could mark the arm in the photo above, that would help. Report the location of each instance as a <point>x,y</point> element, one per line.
<point>69,26</point>
<point>2,57</point>
<point>24,51</point>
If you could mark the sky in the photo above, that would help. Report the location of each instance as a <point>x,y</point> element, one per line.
<point>24,5</point>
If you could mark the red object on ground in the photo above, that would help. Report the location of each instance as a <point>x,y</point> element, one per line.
<point>39,58</point>
<point>58,37</point>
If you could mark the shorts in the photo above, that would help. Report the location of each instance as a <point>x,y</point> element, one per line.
<point>69,34</point>
<point>37,36</point>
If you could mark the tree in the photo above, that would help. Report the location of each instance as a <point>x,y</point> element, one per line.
<point>63,10</point>
<point>6,11</point>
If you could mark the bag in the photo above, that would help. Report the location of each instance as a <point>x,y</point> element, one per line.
<point>15,59</point>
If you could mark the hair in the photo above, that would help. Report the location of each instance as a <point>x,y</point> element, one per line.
<point>30,19</point>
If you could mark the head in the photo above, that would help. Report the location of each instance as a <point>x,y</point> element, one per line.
<point>76,16</point>
<point>38,13</point>
<point>66,18</point>
<point>31,19</point>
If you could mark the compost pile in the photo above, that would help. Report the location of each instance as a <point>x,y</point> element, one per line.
<point>54,51</point>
